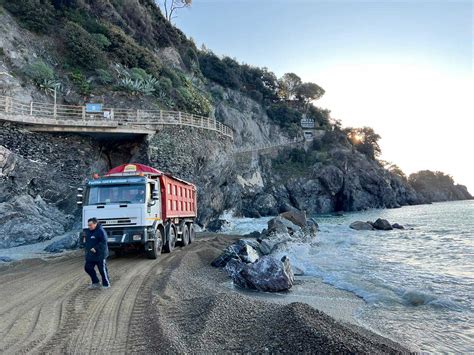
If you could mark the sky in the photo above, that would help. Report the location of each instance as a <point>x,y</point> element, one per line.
<point>404,68</point>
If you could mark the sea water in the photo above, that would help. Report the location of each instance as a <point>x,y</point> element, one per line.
<point>417,283</point>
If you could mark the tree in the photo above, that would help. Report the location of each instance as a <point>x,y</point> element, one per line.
<point>289,84</point>
<point>169,7</point>
<point>365,140</point>
<point>308,92</point>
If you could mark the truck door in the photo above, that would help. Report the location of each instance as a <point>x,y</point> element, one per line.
<point>153,206</point>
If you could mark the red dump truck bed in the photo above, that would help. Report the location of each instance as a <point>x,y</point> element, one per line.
<point>178,198</point>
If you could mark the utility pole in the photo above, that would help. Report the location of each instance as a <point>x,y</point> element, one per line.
<point>55,98</point>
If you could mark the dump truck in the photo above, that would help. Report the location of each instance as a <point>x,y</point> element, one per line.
<point>141,208</point>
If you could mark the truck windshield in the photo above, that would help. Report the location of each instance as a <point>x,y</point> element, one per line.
<point>110,194</point>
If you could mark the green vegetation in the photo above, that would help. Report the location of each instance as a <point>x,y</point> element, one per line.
<point>436,180</point>
<point>42,76</point>
<point>93,38</point>
<point>34,15</point>
<point>365,140</point>
<point>297,161</point>
<point>81,47</point>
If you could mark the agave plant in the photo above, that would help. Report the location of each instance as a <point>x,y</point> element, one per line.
<point>137,86</point>
<point>49,86</point>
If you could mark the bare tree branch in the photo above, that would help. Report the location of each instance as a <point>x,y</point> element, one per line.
<point>169,7</point>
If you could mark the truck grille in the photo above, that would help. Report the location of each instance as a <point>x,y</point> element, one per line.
<point>110,222</point>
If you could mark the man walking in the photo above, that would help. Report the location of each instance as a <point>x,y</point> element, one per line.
<point>95,241</point>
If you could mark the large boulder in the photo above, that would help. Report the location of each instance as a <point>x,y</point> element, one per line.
<point>267,274</point>
<point>276,226</point>
<point>295,216</point>
<point>397,226</point>
<point>382,224</point>
<point>5,259</point>
<point>26,220</point>
<point>217,225</point>
<point>247,251</point>
<point>280,225</point>
<point>361,226</point>
<point>68,242</point>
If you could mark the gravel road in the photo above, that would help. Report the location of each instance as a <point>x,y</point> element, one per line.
<point>177,304</point>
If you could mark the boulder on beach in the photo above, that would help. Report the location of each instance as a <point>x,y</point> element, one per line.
<point>247,251</point>
<point>382,224</point>
<point>397,226</point>
<point>267,274</point>
<point>5,259</point>
<point>361,226</point>
<point>68,242</point>
<point>295,216</point>
<point>217,225</point>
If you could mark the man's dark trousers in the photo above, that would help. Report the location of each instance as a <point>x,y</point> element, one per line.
<point>102,266</point>
<point>97,240</point>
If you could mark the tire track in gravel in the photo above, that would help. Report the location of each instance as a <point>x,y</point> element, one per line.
<point>47,308</point>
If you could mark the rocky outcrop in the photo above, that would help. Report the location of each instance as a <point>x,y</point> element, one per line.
<point>361,226</point>
<point>438,186</point>
<point>379,224</point>
<point>382,224</point>
<point>68,242</point>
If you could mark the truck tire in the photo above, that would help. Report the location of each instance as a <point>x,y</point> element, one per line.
<point>119,253</point>
<point>192,232</point>
<point>155,251</point>
<point>185,236</point>
<point>170,239</point>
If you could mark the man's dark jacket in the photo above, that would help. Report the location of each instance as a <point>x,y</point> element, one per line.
<point>96,239</point>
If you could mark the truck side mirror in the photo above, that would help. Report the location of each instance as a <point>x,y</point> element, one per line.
<point>155,195</point>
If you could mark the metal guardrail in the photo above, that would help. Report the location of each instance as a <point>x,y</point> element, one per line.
<point>64,115</point>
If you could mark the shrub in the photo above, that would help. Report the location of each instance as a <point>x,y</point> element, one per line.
<point>104,77</point>
<point>284,115</point>
<point>129,53</point>
<point>34,15</point>
<point>39,72</point>
<point>189,99</point>
<point>82,51</point>
<point>101,40</point>
<point>81,82</point>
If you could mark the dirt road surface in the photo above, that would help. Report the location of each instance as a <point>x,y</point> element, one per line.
<point>172,305</point>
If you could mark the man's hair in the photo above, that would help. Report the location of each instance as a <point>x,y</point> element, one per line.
<point>93,220</point>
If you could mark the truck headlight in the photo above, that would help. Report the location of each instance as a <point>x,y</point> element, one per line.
<point>137,237</point>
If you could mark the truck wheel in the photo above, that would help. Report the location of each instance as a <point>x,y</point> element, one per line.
<point>192,233</point>
<point>185,237</point>
<point>153,250</point>
<point>170,241</point>
<point>119,253</point>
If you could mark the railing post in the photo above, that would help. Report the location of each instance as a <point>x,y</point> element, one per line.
<point>161,115</point>
<point>31,108</point>
<point>138,114</point>
<point>112,114</point>
<point>83,112</point>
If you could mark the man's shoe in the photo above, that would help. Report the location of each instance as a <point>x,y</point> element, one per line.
<point>106,287</point>
<point>94,286</point>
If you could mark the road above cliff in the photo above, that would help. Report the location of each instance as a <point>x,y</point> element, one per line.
<point>176,304</point>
